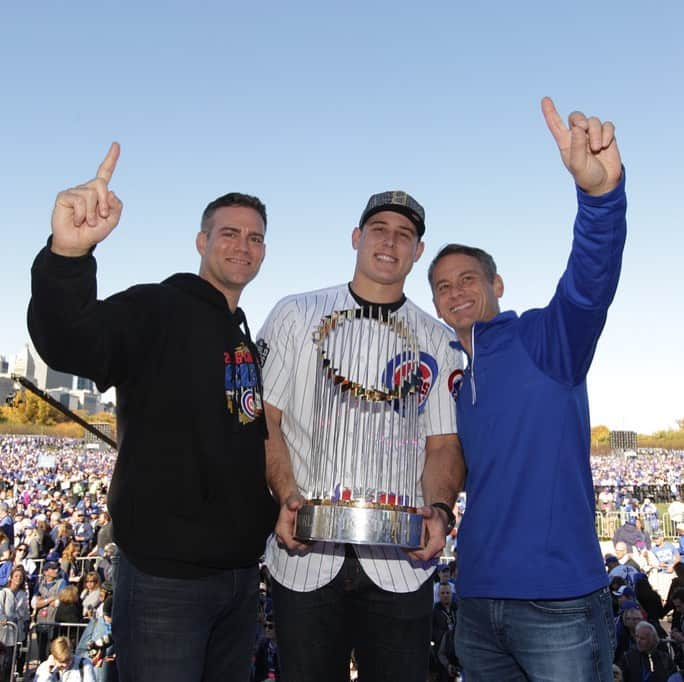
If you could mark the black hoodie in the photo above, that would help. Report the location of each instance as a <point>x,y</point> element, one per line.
<point>188,496</point>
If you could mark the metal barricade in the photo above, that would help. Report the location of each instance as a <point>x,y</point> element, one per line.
<point>39,567</point>
<point>607,522</point>
<point>72,631</point>
<point>668,526</point>
<point>83,563</point>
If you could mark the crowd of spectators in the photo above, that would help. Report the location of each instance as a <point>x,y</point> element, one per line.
<point>648,628</point>
<point>58,562</point>
<point>652,472</point>
<point>56,551</point>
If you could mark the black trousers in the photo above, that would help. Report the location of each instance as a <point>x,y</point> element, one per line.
<point>389,632</point>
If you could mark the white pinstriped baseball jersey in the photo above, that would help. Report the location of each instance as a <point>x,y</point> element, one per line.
<point>286,342</point>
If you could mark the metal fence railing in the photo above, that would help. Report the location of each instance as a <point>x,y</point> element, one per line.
<point>608,522</point>
<point>83,564</point>
<point>72,631</point>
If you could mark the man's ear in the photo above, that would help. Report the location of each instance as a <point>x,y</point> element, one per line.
<point>356,236</point>
<point>498,285</point>
<point>201,242</point>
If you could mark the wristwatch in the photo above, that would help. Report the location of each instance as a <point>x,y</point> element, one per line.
<point>451,519</point>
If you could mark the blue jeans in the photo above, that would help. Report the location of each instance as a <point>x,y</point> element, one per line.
<point>184,630</point>
<point>388,631</point>
<point>551,641</point>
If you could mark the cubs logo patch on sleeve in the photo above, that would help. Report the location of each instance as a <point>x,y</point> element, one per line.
<point>250,404</point>
<point>454,382</point>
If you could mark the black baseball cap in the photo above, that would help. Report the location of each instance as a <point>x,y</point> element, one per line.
<point>399,202</point>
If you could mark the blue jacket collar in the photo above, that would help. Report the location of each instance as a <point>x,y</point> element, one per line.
<point>481,327</point>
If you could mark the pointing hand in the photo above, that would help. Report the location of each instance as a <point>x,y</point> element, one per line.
<point>84,215</point>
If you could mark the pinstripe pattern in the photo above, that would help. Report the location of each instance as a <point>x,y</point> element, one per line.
<point>289,377</point>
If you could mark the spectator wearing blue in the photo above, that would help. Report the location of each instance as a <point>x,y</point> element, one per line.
<point>83,531</point>
<point>665,552</point>
<point>649,513</point>
<point>666,557</point>
<point>624,594</point>
<point>524,426</point>
<point>6,523</point>
<point>630,509</point>
<point>266,662</point>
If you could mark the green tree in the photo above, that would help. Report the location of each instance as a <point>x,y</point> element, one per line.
<point>600,435</point>
<point>28,408</point>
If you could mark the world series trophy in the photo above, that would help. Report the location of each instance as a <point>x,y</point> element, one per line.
<point>363,475</point>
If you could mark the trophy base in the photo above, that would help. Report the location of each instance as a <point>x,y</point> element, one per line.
<point>327,522</point>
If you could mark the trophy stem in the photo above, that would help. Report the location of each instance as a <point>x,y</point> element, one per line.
<point>364,439</point>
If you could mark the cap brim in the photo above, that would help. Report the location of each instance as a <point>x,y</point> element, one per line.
<point>396,208</point>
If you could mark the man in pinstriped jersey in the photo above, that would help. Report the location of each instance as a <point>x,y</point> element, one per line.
<point>331,598</point>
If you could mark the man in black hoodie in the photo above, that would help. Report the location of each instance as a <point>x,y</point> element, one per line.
<point>186,596</point>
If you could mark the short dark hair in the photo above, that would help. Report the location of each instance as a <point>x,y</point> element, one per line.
<point>232,199</point>
<point>485,260</point>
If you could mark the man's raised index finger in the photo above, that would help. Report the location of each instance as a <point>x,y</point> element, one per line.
<point>106,169</point>
<point>553,119</point>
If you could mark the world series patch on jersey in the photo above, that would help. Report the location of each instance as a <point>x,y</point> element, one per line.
<point>241,380</point>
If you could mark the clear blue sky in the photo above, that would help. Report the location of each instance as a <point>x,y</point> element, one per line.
<point>314,106</point>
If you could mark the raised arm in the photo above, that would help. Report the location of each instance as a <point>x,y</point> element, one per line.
<point>84,215</point>
<point>587,147</point>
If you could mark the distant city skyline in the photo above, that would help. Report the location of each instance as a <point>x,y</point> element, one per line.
<point>72,391</point>
<point>110,396</point>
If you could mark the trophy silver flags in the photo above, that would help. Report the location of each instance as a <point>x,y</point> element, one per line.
<point>363,474</point>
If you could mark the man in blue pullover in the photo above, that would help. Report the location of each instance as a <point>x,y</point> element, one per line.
<point>542,610</point>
